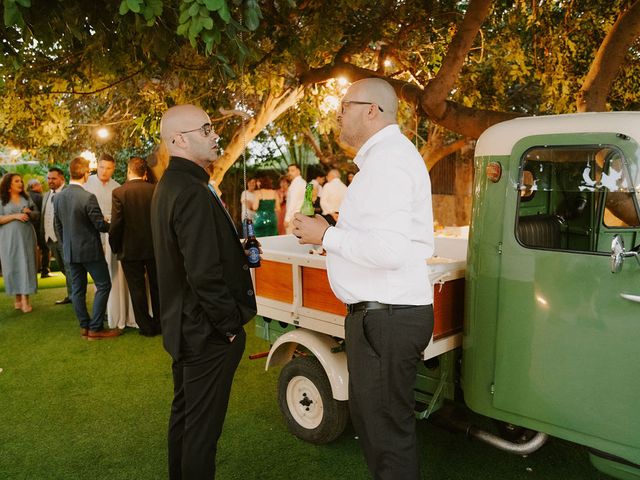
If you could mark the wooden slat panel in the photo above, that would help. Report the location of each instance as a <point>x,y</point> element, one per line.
<point>317,293</point>
<point>448,308</point>
<point>274,280</point>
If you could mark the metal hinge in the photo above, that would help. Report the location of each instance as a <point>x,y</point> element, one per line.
<point>499,248</point>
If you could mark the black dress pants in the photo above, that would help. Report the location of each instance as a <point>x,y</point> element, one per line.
<point>134,272</point>
<point>202,384</point>
<point>383,349</point>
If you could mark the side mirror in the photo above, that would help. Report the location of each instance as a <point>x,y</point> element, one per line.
<point>618,254</point>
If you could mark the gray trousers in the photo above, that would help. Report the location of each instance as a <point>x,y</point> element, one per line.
<point>383,349</point>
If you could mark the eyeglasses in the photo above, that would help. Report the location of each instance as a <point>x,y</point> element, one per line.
<point>345,103</point>
<point>205,129</point>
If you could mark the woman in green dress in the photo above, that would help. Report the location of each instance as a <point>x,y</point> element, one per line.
<point>266,205</point>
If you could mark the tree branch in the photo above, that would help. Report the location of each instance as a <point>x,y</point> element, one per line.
<point>439,88</point>
<point>93,92</point>
<point>593,94</point>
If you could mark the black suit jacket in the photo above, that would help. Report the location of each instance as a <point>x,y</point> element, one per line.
<point>130,231</point>
<point>78,222</point>
<point>203,277</point>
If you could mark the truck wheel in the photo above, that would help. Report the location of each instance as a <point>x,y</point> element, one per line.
<point>305,399</point>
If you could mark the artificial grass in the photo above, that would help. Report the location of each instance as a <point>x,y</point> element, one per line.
<point>55,280</point>
<point>72,409</point>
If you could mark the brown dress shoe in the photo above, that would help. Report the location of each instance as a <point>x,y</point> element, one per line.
<point>106,333</point>
<point>84,332</point>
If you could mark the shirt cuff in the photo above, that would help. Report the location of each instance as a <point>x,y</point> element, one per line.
<point>332,239</point>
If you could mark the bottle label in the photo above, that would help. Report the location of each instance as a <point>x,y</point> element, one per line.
<point>254,256</point>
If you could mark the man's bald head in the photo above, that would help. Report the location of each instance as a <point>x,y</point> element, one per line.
<point>183,131</point>
<point>180,119</point>
<point>333,173</point>
<point>368,106</point>
<point>380,92</point>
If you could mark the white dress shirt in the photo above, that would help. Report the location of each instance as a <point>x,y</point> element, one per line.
<point>384,236</point>
<point>332,196</point>
<point>295,197</point>
<point>48,211</point>
<point>102,192</point>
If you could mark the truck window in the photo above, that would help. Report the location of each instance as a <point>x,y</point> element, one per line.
<point>571,195</point>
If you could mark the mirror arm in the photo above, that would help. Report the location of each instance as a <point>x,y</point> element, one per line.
<point>632,253</point>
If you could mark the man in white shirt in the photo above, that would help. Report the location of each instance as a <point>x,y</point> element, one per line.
<point>102,185</point>
<point>295,195</point>
<point>376,263</point>
<point>55,180</point>
<point>332,194</point>
<point>246,200</point>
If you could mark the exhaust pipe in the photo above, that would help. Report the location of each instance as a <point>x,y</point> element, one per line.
<point>537,441</point>
<point>451,424</point>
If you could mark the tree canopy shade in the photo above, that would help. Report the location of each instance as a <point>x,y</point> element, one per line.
<point>461,66</point>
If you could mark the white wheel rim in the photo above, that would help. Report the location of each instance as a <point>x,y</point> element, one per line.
<point>304,402</point>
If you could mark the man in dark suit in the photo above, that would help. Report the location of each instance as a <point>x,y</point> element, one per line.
<point>78,223</point>
<point>55,180</point>
<point>206,294</point>
<point>130,240</point>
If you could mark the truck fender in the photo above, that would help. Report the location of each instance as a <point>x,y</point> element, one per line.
<point>321,345</point>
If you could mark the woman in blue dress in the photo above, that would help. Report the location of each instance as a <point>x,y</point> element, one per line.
<point>17,241</point>
<point>266,205</point>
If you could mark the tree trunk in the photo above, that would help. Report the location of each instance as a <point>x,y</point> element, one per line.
<point>272,107</point>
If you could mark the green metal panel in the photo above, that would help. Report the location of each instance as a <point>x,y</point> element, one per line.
<point>481,284</point>
<point>549,343</point>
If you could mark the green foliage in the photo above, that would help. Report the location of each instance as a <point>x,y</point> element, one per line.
<point>71,65</point>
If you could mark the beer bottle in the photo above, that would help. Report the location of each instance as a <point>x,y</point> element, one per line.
<point>252,246</point>
<point>307,206</point>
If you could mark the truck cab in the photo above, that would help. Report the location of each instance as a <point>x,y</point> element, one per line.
<point>550,332</point>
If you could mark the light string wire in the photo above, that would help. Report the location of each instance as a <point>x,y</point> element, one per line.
<point>243,207</point>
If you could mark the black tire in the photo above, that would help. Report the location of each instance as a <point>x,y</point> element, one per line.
<point>309,409</point>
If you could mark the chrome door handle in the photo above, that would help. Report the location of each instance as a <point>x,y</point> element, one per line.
<point>628,296</point>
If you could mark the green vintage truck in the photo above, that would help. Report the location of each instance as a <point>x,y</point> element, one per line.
<point>537,312</point>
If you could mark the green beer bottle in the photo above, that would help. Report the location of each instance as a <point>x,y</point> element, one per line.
<point>307,206</point>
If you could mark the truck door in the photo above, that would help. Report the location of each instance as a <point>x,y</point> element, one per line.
<point>567,343</point>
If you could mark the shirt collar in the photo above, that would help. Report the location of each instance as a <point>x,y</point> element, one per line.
<point>378,137</point>
<point>184,165</point>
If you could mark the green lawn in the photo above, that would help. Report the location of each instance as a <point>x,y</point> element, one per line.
<point>72,409</point>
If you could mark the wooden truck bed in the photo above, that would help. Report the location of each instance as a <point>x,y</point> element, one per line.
<point>292,286</point>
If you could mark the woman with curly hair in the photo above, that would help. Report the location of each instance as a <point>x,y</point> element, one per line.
<point>17,240</point>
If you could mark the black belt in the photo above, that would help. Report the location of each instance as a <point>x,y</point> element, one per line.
<point>357,307</point>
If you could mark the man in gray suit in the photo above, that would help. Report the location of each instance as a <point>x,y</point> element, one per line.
<point>55,180</point>
<point>78,222</point>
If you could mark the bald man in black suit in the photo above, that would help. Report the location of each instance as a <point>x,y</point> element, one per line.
<point>206,293</point>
